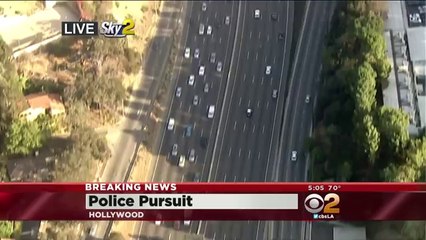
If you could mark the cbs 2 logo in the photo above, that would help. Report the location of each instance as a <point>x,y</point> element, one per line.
<point>314,203</point>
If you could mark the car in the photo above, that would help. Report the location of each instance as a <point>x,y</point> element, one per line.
<point>257,14</point>
<point>178,91</point>
<point>249,112</point>
<point>187,52</point>
<point>201,29</point>
<point>171,124</point>
<point>210,112</point>
<point>196,177</point>
<point>197,53</point>
<point>268,70</point>
<point>181,162</point>
<point>274,16</point>
<point>209,30</point>
<point>281,36</point>
<point>204,6</point>
<point>213,57</point>
<point>158,222</point>
<point>204,142</point>
<point>293,156</point>
<point>191,80</point>
<point>187,222</point>
<point>174,149</point>
<point>206,88</point>
<point>195,100</point>
<point>219,67</point>
<point>191,156</point>
<point>201,70</point>
<point>188,131</point>
<point>274,93</point>
<point>307,99</point>
<point>227,20</point>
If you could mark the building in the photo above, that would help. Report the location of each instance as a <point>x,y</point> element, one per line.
<point>42,103</point>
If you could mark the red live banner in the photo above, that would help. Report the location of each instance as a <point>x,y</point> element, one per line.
<point>213,201</point>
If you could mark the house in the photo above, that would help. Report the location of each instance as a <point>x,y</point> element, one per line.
<point>42,103</point>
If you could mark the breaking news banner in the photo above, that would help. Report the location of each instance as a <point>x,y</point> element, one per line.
<point>212,201</point>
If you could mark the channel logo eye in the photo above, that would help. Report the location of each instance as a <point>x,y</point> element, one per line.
<point>314,203</point>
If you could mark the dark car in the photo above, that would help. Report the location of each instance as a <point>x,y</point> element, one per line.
<point>204,142</point>
<point>188,131</point>
<point>197,177</point>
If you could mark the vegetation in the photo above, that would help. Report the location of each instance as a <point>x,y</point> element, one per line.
<point>355,138</point>
<point>6,229</point>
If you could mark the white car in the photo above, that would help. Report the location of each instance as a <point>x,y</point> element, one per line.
<point>201,71</point>
<point>191,80</point>
<point>206,88</point>
<point>158,222</point>
<point>307,99</point>
<point>219,67</point>
<point>274,93</point>
<point>268,70</point>
<point>187,52</point>
<point>191,156</point>
<point>227,20</point>
<point>181,161</point>
<point>195,100</point>
<point>201,29</point>
<point>187,223</point>
<point>210,113</point>
<point>209,30</point>
<point>204,7</point>
<point>171,124</point>
<point>293,156</point>
<point>257,13</point>
<point>178,91</point>
<point>213,57</point>
<point>197,53</point>
<point>175,150</point>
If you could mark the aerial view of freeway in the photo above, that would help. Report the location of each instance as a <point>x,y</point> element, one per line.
<point>212,91</point>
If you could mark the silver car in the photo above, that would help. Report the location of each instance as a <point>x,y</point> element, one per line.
<point>227,20</point>
<point>219,66</point>
<point>191,156</point>
<point>201,29</point>
<point>213,57</point>
<point>174,150</point>
<point>197,53</point>
<point>195,100</point>
<point>206,88</point>
<point>178,91</point>
<point>293,156</point>
<point>204,7</point>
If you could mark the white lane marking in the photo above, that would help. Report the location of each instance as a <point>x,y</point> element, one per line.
<point>252,80</point>
<point>195,39</point>
<point>181,179</point>
<point>266,59</point>
<point>258,35</point>
<point>224,236</point>
<point>244,128</point>
<point>180,105</point>
<point>235,178</point>
<point>248,103</point>
<point>174,130</point>
<point>215,15</point>
<point>204,40</point>
<point>261,83</point>
<point>263,129</point>
<point>248,55</point>
<point>235,125</point>
<point>195,124</point>
<point>257,56</point>
<point>239,152</point>
<point>220,40</point>
<point>189,110</point>
<point>258,155</point>
<point>198,18</point>
<point>267,38</point>
<point>207,20</point>
<point>272,80</point>
<point>267,105</point>
<point>224,178</point>
<point>239,102</point>
<point>250,34</point>
<point>170,236</point>
<point>254,128</point>
<point>244,78</point>
<point>258,104</point>
<point>202,131</point>
<point>275,59</point>
<point>229,152</point>
<point>249,154</point>
<point>245,180</point>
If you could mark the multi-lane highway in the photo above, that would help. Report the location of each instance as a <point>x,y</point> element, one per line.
<point>233,146</point>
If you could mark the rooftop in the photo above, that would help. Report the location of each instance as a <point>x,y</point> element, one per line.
<point>417,43</point>
<point>46,101</point>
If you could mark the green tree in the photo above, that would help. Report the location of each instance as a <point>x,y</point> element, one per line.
<point>23,137</point>
<point>6,229</point>
<point>414,230</point>
<point>393,127</point>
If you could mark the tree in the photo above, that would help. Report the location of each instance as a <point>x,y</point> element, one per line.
<point>414,230</point>
<point>23,137</point>
<point>6,229</point>
<point>393,126</point>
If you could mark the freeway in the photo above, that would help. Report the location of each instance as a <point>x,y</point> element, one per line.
<point>140,105</point>
<point>298,115</point>
<point>244,145</point>
<point>185,112</point>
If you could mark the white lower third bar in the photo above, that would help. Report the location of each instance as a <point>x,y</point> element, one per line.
<point>277,201</point>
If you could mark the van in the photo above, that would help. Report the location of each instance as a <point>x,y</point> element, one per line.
<point>210,112</point>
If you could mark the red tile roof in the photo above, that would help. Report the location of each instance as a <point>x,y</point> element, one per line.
<point>46,101</point>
